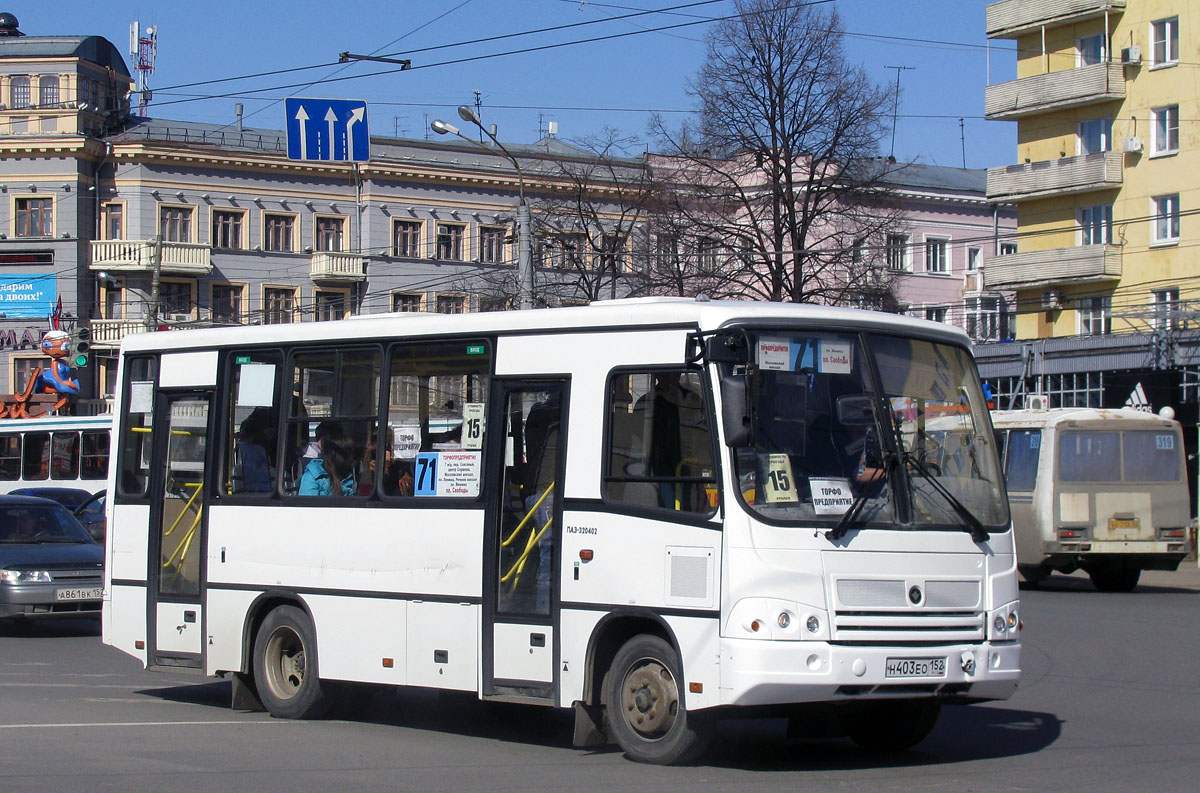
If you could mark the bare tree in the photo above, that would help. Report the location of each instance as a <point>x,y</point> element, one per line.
<point>782,166</point>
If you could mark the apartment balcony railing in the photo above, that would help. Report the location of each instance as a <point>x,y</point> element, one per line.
<point>1086,85</point>
<point>1055,266</point>
<point>1087,172</point>
<point>1011,18</point>
<point>337,266</point>
<point>137,256</point>
<point>108,333</point>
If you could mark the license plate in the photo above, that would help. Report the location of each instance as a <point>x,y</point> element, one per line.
<point>1115,523</point>
<point>79,593</point>
<point>915,667</point>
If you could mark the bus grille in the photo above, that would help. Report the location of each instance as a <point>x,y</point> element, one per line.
<point>908,611</point>
<point>908,627</point>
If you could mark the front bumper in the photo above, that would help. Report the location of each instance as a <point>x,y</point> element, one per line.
<point>764,672</point>
<point>40,601</point>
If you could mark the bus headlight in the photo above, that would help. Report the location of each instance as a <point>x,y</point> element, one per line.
<point>768,618</point>
<point>1004,623</point>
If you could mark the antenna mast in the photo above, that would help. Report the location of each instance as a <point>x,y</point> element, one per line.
<point>143,48</point>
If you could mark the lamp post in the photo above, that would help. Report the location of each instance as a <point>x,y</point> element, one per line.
<point>524,243</point>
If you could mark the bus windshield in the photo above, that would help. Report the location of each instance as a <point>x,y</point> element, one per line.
<point>825,437</point>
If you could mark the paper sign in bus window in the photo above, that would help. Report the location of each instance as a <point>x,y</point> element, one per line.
<point>780,485</point>
<point>836,357</point>
<point>141,396</point>
<point>472,426</point>
<point>775,355</point>
<point>831,496</point>
<point>447,473</point>
<point>406,442</point>
<point>256,385</point>
<point>1164,442</point>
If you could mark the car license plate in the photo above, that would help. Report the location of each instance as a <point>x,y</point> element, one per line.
<point>79,593</point>
<point>915,667</point>
<point>1118,523</point>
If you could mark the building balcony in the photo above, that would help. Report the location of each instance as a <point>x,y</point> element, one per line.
<point>1085,173</point>
<point>137,256</point>
<point>1082,263</point>
<point>337,266</point>
<point>108,333</point>
<point>1086,85</point>
<point>1011,18</point>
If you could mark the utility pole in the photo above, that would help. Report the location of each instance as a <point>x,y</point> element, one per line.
<point>896,107</point>
<point>151,318</point>
<point>962,137</point>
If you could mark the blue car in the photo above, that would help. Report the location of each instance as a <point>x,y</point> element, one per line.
<point>88,507</point>
<point>49,565</point>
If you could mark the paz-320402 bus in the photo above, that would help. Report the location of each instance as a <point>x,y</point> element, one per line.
<point>656,512</point>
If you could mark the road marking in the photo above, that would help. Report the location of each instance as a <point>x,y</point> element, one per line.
<point>77,725</point>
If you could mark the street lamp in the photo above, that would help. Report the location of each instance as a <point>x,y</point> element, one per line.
<point>524,244</point>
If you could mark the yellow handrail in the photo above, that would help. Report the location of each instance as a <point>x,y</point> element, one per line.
<point>525,519</point>
<point>199,486</point>
<point>177,556</point>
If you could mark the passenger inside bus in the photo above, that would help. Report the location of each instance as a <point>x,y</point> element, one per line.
<point>334,465</point>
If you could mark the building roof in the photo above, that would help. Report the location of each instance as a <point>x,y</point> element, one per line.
<point>939,177</point>
<point>95,49</point>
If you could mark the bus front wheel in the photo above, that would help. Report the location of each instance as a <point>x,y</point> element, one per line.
<point>645,708</point>
<point>285,665</point>
<point>890,726</point>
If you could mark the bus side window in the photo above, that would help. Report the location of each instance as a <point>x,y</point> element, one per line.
<point>1024,448</point>
<point>93,458</point>
<point>659,444</point>
<point>36,461</point>
<point>252,438</point>
<point>10,457</point>
<point>64,462</point>
<point>142,378</point>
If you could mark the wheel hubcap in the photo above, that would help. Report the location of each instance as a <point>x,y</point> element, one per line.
<point>650,699</point>
<point>285,663</point>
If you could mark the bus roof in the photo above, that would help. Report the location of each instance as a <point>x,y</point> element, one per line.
<point>1011,419</point>
<point>617,314</point>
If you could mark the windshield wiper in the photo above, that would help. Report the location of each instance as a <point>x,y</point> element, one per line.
<point>850,518</point>
<point>974,526</point>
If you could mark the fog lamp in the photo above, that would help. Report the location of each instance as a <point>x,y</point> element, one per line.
<point>813,624</point>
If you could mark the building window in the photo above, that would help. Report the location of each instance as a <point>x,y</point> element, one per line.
<point>1006,249</point>
<point>175,224</point>
<point>1092,50</point>
<point>1095,135</point>
<point>611,259</point>
<point>112,299</point>
<point>175,299</point>
<point>35,217</point>
<point>406,302</point>
<point>1164,35</point>
<point>491,244</point>
<point>450,242</point>
<point>330,304</point>
<point>1096,224</point>
<point>279,305</point>
<point>406,238</point>
<point>227,229</point>
<point>897,251</point>
<point>48,90</point>
<point>972,258</point>
<point>935,255</point>
<point>19,91</point>
<point>112,221</point>
<point>709,250</point>
<point>451,304</point>
<point>1166,218</point>
<point>279,233</point>
<point>984,318</point>
<point>937,314</point>
<point>329,233</point>
<point>22,370</point>
<point>1095,315</point>
<point>227,303</point>
<point>1166,309</point>
<point>1166,130</point>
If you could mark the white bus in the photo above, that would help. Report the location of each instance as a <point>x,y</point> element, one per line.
<point>54,451</point>
<point>1103,491</point>
<point>653,511</point>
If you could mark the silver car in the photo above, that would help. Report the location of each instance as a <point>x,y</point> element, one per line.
<point>49,565</point>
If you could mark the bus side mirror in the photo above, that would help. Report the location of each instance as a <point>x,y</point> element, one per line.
<point>736,421</point>
<point>855,410</point>
<point>728,348</point>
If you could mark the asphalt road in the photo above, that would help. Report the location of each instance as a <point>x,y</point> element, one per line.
<point>1110,701</point>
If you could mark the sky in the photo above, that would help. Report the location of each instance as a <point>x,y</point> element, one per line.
<point>583,86</point>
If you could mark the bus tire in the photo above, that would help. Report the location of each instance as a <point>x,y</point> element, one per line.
<point>890,726</point>
<point>285,665</point>
<point>644,705</point>
<point>1115,579</point>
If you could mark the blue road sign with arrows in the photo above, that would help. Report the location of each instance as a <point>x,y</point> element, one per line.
<point>327,129</point>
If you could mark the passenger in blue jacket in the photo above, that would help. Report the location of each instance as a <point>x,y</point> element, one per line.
<point>334,465</point>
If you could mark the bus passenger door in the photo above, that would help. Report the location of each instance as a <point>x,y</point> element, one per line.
<point>521,559</point>
<point>177,530</point>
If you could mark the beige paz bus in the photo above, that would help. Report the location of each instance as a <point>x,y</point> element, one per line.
<point>1103,491</point>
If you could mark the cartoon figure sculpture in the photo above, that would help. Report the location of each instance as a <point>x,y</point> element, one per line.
<point>55,379</point>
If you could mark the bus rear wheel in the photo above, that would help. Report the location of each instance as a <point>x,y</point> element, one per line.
<point>890,726</point>
<point>645,709</point>
<point>285,665</point>
<point>1115,579</point>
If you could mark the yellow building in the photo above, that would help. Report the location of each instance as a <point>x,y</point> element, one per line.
<point>1107,160</point>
